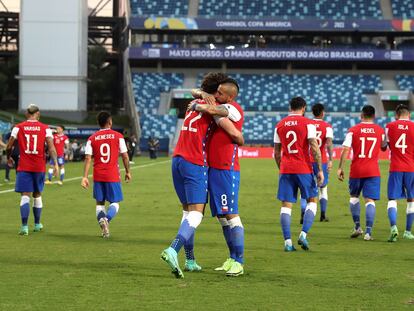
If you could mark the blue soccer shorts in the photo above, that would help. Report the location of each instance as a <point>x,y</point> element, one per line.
<point>29,182</point>
<point>190,181</point>
<point>223,186</point>
<point>107,191</point>
<point>325,172</point>
<point>60,160</point>
<point>290,183</point>
<point>370,187</point>
<point>400,185</point>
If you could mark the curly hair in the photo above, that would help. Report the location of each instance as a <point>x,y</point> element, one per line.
<point>212,80</point>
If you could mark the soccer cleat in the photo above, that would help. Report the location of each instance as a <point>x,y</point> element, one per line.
<point>48,182</point>
<point>169,255</point>
<point>368,237</point>
<point>236,269</point>
<point>24,230</point>
<point>394,234</point>
<point>303,242</point>
<point>226,265</point>
<point>38,227</point>
<point>59,182</point>
<point>103,222</point>
<point>289,248</point>
<point>324,219</point>
<point>191,265</point>
<point>356,232</point>
<point>408,235</point>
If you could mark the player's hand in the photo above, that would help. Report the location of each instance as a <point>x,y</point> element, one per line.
<point>85,182</point>
<point>320,178</point>
<point>128,177</point>
<point>340,173</point>
<point>10,162</point>
<point>56,170</point>
<point>329,165</point>
<point>190,106</point>
<point>208,98</point>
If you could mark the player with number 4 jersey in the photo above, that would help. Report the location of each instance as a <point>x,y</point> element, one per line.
<point>31,136</point>
<point>366,139</point>
<point>61,141</point>
<point>400,138</point>
<point>105,146</point>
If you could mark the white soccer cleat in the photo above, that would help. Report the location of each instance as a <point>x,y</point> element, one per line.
<point>368,237</point>
<point>103,222</point>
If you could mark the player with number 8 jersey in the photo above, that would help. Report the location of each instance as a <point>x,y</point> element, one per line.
<point>105,146</point>
<point>365,139</point>
<point>400,138</point>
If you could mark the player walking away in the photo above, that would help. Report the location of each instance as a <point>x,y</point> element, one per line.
<point>365,139</point>
<point>14,155</point>
<point>294,135</point>
<point>400,135</point>
<point>105,146</point>
<point>61,142</point>
<point>324,137</point>
<point>31,136</point>
<point>190,173</point>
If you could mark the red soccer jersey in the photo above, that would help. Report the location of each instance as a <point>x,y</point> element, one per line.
<point>31,137</point>
<point>105,146</point>
<point>222,152</point>
<point>194,135</point>
<point>293,133</point>
<point>400,138</point>
<point>365,139</point>
<point>60,140</point>
<point>323,131</point>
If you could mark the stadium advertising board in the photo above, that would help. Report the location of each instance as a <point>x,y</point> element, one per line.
<point>272,54</point>
<point>269,24</point>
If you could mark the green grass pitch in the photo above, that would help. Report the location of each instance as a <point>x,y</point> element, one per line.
<point>69,267</point>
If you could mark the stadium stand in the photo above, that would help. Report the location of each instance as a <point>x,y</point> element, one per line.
<point>405,82</point>
<point>4,127</point>
<point>402,8</point>
<point>158,126</point>
<point>335,9</point>
<point>148,86</point>
<point>343,93</point>
<point>165,8</point>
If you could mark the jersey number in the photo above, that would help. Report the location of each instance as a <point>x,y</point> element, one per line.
<point>31,148</point>
<point>401,143</point>
<point>105,151</point>
<point>318,138</point>
<point>190,128</point>
<point>363,142</point>
<point>294,140</point>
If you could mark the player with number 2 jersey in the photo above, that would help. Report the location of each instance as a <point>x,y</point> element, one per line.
<point>400,138</point>
<point>105,146</point>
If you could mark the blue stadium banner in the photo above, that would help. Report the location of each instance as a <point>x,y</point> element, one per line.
<point>272,54</point>
<point>85,132</point>
<point>269,24</point>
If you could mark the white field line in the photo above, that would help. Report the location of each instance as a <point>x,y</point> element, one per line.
<point>90,175</point>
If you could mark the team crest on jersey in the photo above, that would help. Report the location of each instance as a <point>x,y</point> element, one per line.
<point>225,209</point>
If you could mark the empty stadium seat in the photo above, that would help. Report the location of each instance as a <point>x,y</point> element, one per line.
<point>165,8</point>
<point>405,83</point>
<point>4,127</point>
<point>335,9</point>
<point>402,8</point>
<point>158,126</point>
<point>148,86</point>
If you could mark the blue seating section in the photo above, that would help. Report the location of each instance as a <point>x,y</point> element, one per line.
<point>148,86</point>
<point>335,9</point>
<point>340,93</point>
<point>4,127</point>
<point>260,128</point>
<point>165,8</point>
<point>158,126</point>
<point>405,83</point>
<point>402,8</point>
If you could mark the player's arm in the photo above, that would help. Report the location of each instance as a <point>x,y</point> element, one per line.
<point>384,143</point>
<point>213,110</point>
<point>329,146</point>
<point>2,144</point>
<point>52,154</point>
<point>277,152</point>
<point>125,158</point>
<point>231,130</point>
<point>344,155</point>
<point>316,152</point>
<point>87,164</point>
<point>208,98</point>
<point>9,150</point>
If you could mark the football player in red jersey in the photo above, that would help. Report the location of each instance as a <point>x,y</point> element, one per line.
<point>31,136</point>
<point>324,137</point>
<point>105,146</point>
<point>190,172</point>
<point>366,139</point>
<point>400,139</point>
<point>294,136</point>
<point>61,142</point>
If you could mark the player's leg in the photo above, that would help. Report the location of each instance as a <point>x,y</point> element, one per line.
<point>355,188</point>
<point>61,162</point>
<point>237,240</point>
<point>99,194</point>
<point>395,192</point>
<point>323,193</point>
<point>114,195</point>
<point>227,236</point>
<point>39,182</point>
<point>371,193</point>
<point>303,204</point>
<point>287,194</point>
<point>409,185</point>
<point>25,186</point>
<point>50,172</point>
<point>309,191</point>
